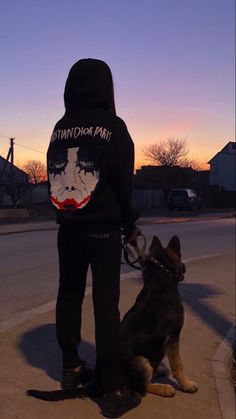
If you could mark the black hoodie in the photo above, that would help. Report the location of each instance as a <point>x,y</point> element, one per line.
<point>90,157</point>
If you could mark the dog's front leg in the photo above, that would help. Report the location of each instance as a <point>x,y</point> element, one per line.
<point>164,390</point>
<point>176,365</point>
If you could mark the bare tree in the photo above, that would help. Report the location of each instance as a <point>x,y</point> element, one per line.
<point>36,171</point>
<point>190,162</point>
<point>169,152</point>
<point>15,185</point>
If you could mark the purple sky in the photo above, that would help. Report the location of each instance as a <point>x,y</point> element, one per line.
<point>172,63</point>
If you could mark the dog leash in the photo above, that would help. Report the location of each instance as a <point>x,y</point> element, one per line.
<point>134,254</point>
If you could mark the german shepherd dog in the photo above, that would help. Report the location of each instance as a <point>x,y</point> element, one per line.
<point>150,329</point>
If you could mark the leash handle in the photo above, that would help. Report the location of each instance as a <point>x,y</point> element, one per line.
<point>134,253</point>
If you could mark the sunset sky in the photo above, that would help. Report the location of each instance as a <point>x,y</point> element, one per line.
<point>172,63</point>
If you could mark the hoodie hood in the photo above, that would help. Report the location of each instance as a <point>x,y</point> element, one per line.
<point>89,85</point>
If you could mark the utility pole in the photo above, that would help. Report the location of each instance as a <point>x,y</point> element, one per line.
<point>12,149</point>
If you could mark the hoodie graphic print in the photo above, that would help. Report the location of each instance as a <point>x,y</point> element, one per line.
<point>90,167</point>
<point>73,176</point>
<point>74,165</point>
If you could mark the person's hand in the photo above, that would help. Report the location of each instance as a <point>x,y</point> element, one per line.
<point>132,238</point>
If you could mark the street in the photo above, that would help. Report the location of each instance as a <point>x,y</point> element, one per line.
<point>29,271</point>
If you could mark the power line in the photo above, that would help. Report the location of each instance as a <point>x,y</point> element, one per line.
<point>24,146</point>
<point>4,151</point>
<point>30,148</point>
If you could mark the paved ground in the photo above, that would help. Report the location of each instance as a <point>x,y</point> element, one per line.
<point>29,358</point>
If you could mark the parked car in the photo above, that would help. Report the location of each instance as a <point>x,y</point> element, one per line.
<point>181,198</point>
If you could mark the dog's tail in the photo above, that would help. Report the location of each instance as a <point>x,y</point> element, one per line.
<point>138,374</point>
<point>56,395</point>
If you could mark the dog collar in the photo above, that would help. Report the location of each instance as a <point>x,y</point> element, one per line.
<point>159,264</point>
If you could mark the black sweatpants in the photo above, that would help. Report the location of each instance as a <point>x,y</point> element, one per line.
<point>102,251</point>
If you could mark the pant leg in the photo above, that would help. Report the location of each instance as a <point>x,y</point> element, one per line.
<point>105,265</point>
<point>73,266</point>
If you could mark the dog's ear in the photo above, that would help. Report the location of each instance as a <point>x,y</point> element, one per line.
<point>156,244</point>
<point>174,244</point>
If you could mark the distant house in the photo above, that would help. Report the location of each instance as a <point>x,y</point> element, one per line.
<point>40,193</point>
<point>14,184</point>
<point>162,177</point>
<point>147,198</point>
<point>7,168</point>
<point>153,183</point>
<point>222,168</point>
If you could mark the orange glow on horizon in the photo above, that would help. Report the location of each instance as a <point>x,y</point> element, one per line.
<point>199,162</point>
<point>201,149</point>
<point>22,156</point>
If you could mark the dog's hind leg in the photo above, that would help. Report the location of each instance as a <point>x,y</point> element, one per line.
<point>164,390</point>
<point>176,365</point>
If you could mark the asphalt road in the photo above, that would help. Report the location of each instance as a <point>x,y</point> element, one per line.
<point>29,271</point>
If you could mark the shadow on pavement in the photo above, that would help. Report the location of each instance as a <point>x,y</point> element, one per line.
<point>195,296</point>
<point>40,348</point>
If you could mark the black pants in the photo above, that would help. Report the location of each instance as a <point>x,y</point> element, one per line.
<point>102,251</point>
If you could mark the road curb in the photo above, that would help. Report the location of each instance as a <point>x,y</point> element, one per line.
<point>142,221</point>
<point>185,219</point>
<point>7,233</point>
<point>225,389</point>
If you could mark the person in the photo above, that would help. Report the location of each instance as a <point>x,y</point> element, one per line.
<point>90,163</point>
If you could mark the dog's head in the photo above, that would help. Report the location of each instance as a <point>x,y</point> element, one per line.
<point>166,259</point>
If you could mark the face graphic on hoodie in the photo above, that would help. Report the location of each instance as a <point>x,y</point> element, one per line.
<point>72,177</point>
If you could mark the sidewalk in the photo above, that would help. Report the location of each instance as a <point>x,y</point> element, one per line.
<point>30,358</point>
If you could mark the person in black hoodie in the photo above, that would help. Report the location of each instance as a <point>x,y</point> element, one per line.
<point>90,163</point>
